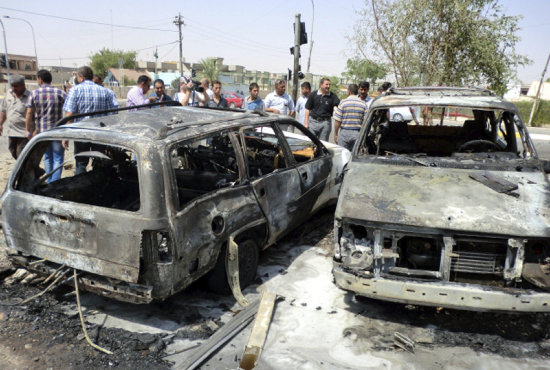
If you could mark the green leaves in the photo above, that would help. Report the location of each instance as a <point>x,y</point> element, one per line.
<point>441,42</point>
<point>363,69</point>
<point>106,58</point>
<point>209,68</point>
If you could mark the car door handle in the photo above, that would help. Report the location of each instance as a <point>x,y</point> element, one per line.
<point>304,175</point>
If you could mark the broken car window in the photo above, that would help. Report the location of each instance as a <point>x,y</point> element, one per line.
<point>302,147</point>
<point>264,151</point>
<point>203,165</point>
<point>99,175</point>
<point>441,132</point>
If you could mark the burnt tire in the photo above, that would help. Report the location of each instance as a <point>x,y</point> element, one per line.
<point>248,265</point>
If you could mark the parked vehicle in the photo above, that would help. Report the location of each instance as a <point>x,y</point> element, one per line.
<point>448,213</point>
<point>233,99</point>
<point>166,191</point>
<point>404,113</point>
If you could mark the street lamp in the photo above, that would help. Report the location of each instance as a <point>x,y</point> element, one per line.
<point>33,38</point>
<point>6,48</point>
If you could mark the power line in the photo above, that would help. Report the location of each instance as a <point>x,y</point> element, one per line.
<point>149,47</point>
<point>86,21</point>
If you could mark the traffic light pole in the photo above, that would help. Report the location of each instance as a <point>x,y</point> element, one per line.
<point>297,32</point>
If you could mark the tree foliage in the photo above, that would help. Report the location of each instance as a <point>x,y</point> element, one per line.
<point>441,42</point>
<point>358,69</point>
<point>335,84</point>
<point>209,68</point>
<point>106,58</point>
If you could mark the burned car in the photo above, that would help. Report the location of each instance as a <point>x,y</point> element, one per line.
<point>164,193</point>
<point>451,212</point>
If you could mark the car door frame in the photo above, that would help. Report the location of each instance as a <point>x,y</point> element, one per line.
<point>196,252</point>
<point>314,174</point>
<point>278,192</point>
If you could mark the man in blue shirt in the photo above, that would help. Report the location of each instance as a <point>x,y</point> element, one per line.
<point>253,101</point>
<point>86,97</point>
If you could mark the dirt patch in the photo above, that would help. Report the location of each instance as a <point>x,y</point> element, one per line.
<point>39,335</point>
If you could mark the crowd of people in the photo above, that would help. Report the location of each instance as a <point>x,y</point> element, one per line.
<point>24,114</point>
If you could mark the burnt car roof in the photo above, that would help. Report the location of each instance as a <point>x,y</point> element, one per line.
<point>160,123</point>
<point>432,96</point>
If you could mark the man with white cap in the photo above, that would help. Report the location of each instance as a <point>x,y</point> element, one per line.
<point>190,94</point>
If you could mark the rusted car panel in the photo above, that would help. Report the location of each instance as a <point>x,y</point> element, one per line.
<point>453,213</point>
<point>162,193</point>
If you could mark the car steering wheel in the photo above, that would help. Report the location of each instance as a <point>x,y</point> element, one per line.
<point>481,143</point>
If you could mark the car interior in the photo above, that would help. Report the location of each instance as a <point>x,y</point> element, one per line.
<point>110,179</point>
<point>440,134</point>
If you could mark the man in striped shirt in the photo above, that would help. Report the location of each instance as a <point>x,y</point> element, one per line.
<point>46,104</point>
<point>348,118</point>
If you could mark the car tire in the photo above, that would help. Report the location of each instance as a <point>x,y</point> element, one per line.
<point>397,117</point>
<point>248,265</point>
<point>232,105</point>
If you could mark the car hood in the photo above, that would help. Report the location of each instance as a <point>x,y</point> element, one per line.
<point>446,199</point>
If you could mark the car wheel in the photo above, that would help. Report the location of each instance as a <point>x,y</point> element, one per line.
<point>397,117</point>
<point>232,105</point>
<point>248,265</point>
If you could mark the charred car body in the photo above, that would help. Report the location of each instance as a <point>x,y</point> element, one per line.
<point>454,212</point>
<point>165,191</point>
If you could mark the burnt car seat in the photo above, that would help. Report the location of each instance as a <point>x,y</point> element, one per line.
<point>395,138</point>
<point>472,130</point>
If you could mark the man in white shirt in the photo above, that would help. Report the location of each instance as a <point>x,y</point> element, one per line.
<point>279,101</point>
<point>301,102</point>
<point>205,82</point>
<point>191,95</point>
<point>137,94</point>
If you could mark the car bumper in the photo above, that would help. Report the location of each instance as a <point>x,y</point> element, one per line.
<point>439,294</point>
<point>111,288</point>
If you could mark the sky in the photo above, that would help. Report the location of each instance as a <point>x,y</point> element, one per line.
<point>257,35</point>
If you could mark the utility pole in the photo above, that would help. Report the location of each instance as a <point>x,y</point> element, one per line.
<point>311,38</point>
<point>178,22</point>
<point>6,48</point>
<point>297,33</point>
<point>534,107</point>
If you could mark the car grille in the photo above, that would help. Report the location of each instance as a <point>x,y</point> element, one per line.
<point>478,263</point>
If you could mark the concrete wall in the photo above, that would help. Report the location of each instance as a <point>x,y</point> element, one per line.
<point>544,91</point>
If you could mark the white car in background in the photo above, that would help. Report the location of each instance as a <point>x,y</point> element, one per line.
<point>402,114</point>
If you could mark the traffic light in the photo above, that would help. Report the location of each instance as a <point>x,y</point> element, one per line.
<point>289,75</point>
<point>300,73</point>
<point>292,52</point>
<point>303,33</point>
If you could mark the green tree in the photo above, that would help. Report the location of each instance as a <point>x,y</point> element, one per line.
<point>358,69</point>
<point>335,85</point>
<point>209,68</point>
<point>176,84</point>
<point>127,81</point>
<point>106,58</point>
<point>441,42</point>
